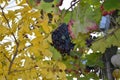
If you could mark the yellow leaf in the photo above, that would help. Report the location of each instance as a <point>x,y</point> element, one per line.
<point>55,18</point>
<point>21,3</point>
<point>45,44</point>
<point>61,65</point>
<point>1,71</point>
<point>62,76</point>
<point>44,72</point>
<point>45,26</point>
<point>11,15</point>
<point>21,45</point>
<point>36,41</point>
<point>1,37</point>
<point>2,77</point>
<point>47,53</point>
<point>35,14</point>
<point>14,27</point>
<point>28,63</point>
<point>50,75</point>
<point>49,39</point>
<point>4,30</point>
<point>7,43</point>
<point>36,53</point>
<point>37,33</point>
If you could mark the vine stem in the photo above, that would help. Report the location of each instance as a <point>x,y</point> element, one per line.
<point>112,33</point>
<point>70,7</point>
<point>17,44</point>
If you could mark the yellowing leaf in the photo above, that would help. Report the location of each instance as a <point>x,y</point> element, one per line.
<point>1,37</point>
<point>46,52</point>
<point>2,77</point>
<point>45,26</point>
<point>35,14</point>
<point>28,62</point>
<point>14,27</point>
<point>49,39</point>
<point>4,30</point>
<point>44,72</point>
<point>21,45</point>
<point>22,2</point>
<point>37,33</point>
<point>50,75</point>
<point>11,15</point>
<point>61,65</point>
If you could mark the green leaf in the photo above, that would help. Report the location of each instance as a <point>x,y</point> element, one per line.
<point>47,7</point>
<point>102,43</point>
<point>80,40</point>
<point>31,3</point>
<point>86,16</point>
<point>56,54</point>
<point>67,17</point>
<point>70,77</point>
<point>111,4</point>
<point>94,59</point>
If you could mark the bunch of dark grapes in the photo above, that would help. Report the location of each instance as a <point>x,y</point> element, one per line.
<point>61,39</point>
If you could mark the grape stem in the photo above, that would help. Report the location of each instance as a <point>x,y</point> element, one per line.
<point>70,7</point>
<point>109,34</point>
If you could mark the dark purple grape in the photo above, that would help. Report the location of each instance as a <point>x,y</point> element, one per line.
<point>61,39</point>
<point>89,41</point>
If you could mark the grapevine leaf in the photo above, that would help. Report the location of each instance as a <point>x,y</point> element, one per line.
<point>85,16</point>
<point>103,43</point>
<point>108,4</point>
<point>47,7</point>
<point>56,54</point>
<point>67,17</point>
<point>80,40</point>
<point>97,59</point>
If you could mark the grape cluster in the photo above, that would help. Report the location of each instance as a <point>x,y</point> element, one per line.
<point>61,39</point>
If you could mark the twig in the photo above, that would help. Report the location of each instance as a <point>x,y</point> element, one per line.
<point>112,33</point>
<point>11,63</point>
<point>70,8</point>
<point>33,67</point>
<point>22,70</point>
<point>72,5</point>
<point>17,44</point>
<point>8,23</point>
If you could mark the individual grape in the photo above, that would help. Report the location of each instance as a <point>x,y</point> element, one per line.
<point>61,39</point>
